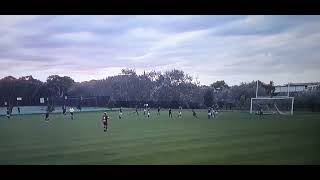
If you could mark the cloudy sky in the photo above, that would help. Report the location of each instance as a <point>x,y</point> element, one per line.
<point>231,48</point>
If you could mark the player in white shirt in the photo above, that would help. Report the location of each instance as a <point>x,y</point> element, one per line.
<point>120,113</point>
<point>212,113</point>
<point>180,112</point>
<point>148,112</point>
<point>71,110</point>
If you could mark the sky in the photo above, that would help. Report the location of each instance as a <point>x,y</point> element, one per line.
<point>209,48</point>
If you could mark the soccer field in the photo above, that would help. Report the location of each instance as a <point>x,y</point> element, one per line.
<point>232,138</point>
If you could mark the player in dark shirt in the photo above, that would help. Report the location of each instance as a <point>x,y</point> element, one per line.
<point>79,107</point>
<point>180,112</point>
<point>170,113</point>
<point>19,110</point>
<point>104,120</point>
<point>137,110</point>
<point>47,116</point>
<point>120,112</point>
<point>64,109</point>
<point>260,111</point>
<point>8,113</point>
<point>209,113</point>
<point>158,111</point>
<point>194,114</point>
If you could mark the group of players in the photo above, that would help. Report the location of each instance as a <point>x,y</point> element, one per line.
<point>212,113</point>
<point>146,111</point>
<point>9,111</point>
<point>64,112</point>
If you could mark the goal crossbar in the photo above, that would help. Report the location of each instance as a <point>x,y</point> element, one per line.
<point>278,97</point>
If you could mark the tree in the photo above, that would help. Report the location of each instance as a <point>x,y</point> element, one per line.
<point>59,85</point>
<point>208,98</point>
<point>173,88</point>
<point>242,101</point>
<point>175,77</point>
<point>219,85</point>
<point>130,72</point>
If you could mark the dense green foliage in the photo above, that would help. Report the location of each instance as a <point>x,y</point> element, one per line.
<point>166,89</point>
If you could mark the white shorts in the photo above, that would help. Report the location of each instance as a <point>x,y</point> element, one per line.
<point>209,114</point>
<point>120,114</point>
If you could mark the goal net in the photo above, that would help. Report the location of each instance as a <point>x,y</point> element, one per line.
<point>80,102</point>
<point>89,101</point>
<point>272,105</point>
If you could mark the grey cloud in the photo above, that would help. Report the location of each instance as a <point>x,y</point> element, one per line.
<point>265,25</point>
<point>223,47</point>
<point>25,57</point>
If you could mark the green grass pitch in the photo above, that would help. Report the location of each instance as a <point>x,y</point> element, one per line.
<point>232,138</point>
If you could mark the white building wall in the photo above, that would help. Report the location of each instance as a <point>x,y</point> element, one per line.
<point>300,88</point>
<point>291,89</point>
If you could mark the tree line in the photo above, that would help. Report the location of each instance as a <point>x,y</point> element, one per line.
<point>172,88</point>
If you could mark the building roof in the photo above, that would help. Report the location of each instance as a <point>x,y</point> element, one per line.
<point>300,84</point>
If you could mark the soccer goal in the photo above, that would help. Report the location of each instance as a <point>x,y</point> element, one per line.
<point>272,105</point>
<point>80,101</point>
<point>89,101</point>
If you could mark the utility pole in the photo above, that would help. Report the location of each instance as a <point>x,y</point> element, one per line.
<point>257,88</point>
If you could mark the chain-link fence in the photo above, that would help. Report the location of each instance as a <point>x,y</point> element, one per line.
<point>30,105</point>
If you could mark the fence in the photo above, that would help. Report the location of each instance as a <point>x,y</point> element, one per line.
<point>88,101</point>
<point>42,109</point>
